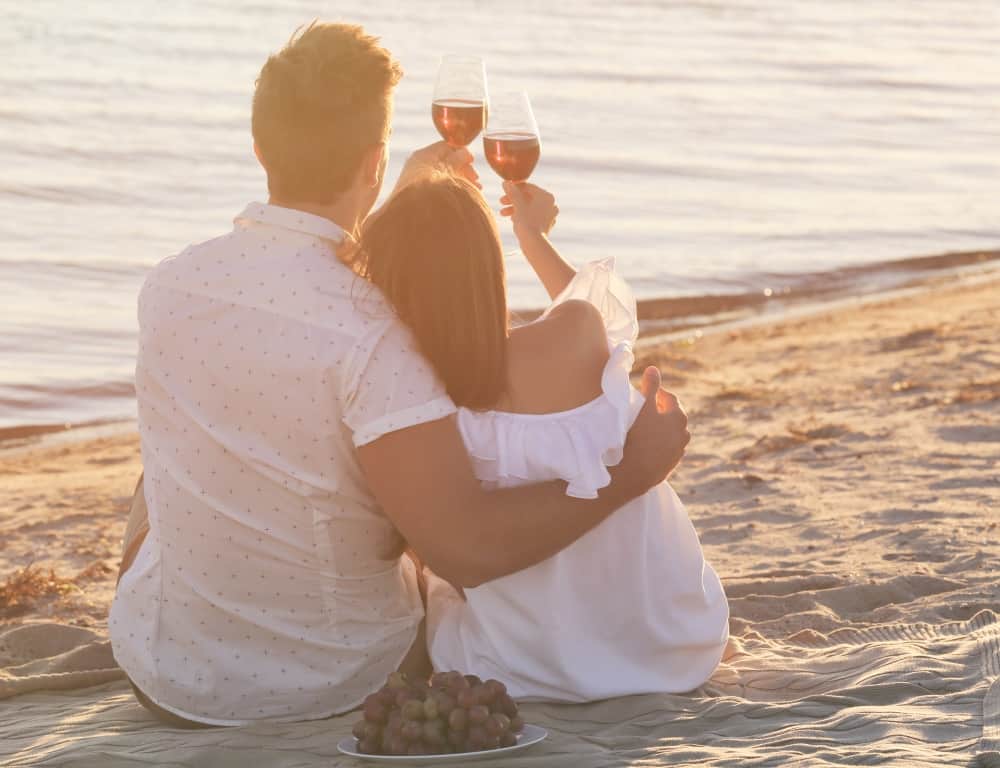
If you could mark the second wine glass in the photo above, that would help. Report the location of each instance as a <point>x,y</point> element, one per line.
<point>459,105</point>
<point>512,144</point>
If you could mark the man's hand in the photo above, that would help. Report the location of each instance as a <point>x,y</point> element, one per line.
<point>441,156</point>
<point>658,437</point>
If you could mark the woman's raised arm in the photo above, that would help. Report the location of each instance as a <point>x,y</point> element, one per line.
<point>533,212</point>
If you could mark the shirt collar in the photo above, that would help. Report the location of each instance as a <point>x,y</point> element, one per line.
<point>290,218</point>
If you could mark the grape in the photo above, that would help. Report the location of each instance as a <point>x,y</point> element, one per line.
<point>473,680</point>
<point>478,714</point>
<point>413,710</point>
<point>506,705</point>
<point>498,688</point>
<point>491,741</point>
<point>368,747</point>
<point>467,698</point>
<point>374,712</point>
<point>476,738</point>
<point>373,732</point>
<point>484,694</point>
<point>421,689</point>
<point>516,724</point>
<point>508,740</point>
<point>397,746</point>
<point>417,748</point>
<point>412,730</point>
<point>397,680</point>
<point>404,695</point>
<point>457,738</point>
<point>388,734</point>
<point>445,703</point>
<point>430,708</point>
<point>458,720</point>
<point>434,733</point>
<point>358,731</point>
<point>440,679</point>
<point>497,725</point>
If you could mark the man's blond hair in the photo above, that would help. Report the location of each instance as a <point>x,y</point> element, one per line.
<point>320,103</point>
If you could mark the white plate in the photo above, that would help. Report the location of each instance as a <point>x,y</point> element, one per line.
<point>531,734</point>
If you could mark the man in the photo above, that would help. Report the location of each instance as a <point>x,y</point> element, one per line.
<point>294,441</point>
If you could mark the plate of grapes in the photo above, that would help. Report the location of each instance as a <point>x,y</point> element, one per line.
<point>451,717</point>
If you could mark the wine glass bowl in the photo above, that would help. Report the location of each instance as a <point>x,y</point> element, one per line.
<point>459,105</point>
<point>511,143</point>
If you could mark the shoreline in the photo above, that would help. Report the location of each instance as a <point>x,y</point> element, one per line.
<point>667,319</point>
<point>815,292</point>
<point>13,439</point>
<point>784,311</point>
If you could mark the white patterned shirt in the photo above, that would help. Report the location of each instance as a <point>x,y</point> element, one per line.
<point>270,585</point>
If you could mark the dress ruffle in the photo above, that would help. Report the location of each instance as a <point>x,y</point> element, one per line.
<point>598,283</point>
<point>577,445</point>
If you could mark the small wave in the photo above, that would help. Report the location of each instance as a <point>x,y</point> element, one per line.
<point>73,269</point>
<point>18,395</point>
<point>70,194</point>
<point>644,166</point>
<point>104,156</point>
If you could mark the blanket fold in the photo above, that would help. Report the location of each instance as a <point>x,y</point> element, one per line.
<point>52,657</point>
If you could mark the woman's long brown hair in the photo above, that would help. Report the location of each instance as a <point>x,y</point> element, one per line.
<point>434,251</point>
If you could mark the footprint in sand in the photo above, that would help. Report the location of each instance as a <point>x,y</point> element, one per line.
<point>908,340</point>
<point>971,433</point>
<point>797,435</point>
<point>777,587</point>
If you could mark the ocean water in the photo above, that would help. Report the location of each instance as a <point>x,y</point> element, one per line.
<point>725,146</point>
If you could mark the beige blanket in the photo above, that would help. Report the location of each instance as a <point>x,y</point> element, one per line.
<point>915,695</point>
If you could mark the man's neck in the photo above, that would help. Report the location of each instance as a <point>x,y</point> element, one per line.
<point>343,213</point>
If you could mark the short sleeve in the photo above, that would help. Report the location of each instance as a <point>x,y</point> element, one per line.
<point>391,386</point>
<point>599,284</point>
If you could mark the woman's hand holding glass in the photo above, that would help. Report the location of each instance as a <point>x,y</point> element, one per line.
<point>531,209</point>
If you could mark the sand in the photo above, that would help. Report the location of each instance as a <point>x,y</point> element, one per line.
<point>844,471</point>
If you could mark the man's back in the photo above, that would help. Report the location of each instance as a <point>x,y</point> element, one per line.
<point>262,362</point>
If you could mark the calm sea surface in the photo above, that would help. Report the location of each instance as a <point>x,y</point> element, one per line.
<point>711,146</point>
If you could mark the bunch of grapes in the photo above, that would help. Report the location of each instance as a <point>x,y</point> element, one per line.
<point>450,713</point>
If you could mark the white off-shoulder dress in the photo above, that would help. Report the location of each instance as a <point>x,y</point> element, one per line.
<point>631,607</point>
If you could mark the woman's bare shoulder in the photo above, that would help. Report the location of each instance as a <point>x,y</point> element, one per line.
<point>556,364</point>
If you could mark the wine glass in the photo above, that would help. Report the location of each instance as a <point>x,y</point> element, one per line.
<point>511,142</point>
<point>459,105</point>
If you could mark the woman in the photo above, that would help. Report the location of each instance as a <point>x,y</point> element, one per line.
<point>631,607</point>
